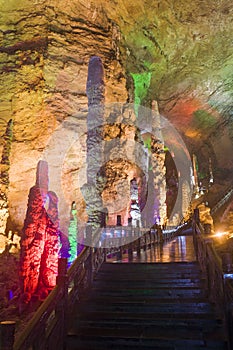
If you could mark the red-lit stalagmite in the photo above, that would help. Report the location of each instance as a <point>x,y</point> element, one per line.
<point>49,259</point>
<point>39,243</point>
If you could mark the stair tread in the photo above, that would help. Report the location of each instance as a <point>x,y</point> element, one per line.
<point>149,332</point>
<point>144,306</point>
<point>120,343</point>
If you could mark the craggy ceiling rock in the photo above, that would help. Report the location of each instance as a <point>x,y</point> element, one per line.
<point>187,48</point>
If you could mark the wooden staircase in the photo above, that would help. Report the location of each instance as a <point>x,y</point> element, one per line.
<point>144,306</point>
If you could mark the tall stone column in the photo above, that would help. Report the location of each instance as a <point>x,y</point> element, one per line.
<point>33,235</point>
<point>95,180</point>
<point>158,167</point>
<point>39,241</point>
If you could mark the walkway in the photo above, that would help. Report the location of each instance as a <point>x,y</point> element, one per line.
<point>157,302</point>
<point>179,249</point>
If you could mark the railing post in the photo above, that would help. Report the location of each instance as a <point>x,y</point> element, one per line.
<point>130,246</point>
<point>7,331</point>
<point>196,216</point>
<point>160,234</point>
<point>139,246</point>
<point>227,263</point>
<point>61,309</point>
<point>118,220</point>
<point>145,242</point>
<point>90,260</point>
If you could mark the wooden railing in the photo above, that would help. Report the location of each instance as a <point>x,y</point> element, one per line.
<point>47,328</point>
<point>134,239</point>
<point>222,201</point>
<point>219,282</point>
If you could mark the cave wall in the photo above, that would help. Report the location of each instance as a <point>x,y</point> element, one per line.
<point>184,47</point>
<point>44,54</point>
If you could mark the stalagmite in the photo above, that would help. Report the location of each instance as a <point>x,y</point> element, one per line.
<point>158,168</point>
<point>195,177</point>
<point>93,188</point>
<point>39,241</point>
<point>4,182</point>
<point>186,198</point>
<point>72,234</point>
<point>135,212</point>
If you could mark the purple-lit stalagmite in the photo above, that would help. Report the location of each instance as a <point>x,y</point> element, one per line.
<point>95,119</point>
<point>39,243</point>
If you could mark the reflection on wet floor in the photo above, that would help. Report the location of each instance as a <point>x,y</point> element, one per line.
<point>177,250</point>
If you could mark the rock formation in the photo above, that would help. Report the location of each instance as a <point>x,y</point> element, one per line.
<point>205,217</point>
<point>95,123</point>
<point>135,212</point>
<point>183,49</point>
<point>73,234</point>
<point>44,55</point>
<point>4,182</point>
<point>158,168</point>
<point>39,241</point>
<point>125,159</point>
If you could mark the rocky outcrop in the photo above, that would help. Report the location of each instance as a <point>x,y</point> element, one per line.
<point>125,159</point>
<point>4,183</point>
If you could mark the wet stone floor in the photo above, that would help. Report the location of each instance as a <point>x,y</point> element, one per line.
<point>179,249</point>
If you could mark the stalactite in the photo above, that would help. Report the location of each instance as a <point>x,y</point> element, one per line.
<point>39,241</point>
<point>95,179</point>
<point>158,168</point>
<point>4,181</point>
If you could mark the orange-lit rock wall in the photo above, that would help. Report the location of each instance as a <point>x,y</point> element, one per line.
<point>44,54</point>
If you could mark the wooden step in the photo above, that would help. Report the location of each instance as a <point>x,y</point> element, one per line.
<point>146,306</point>
<point>107,343</point>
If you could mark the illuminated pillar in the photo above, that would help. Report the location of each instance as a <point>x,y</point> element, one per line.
<point>49,258</point>
<point>39,240</point>
<point>158,168</point>
<point>135,212</point>
<point>95,119</point>
<point>186,199</point>
<point>72,233</point>
<point>195,176</point>
<point>211,180</point>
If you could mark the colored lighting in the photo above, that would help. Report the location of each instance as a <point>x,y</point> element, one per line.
<point>72,234</point>
<point>141,86</point>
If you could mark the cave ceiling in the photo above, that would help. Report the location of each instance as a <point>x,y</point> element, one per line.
<point>187,48</point>
<point>183,49</point>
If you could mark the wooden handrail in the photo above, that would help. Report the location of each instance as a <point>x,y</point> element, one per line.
<point>219,283</point>
<point>19,343</point>
<point>47,328</point>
